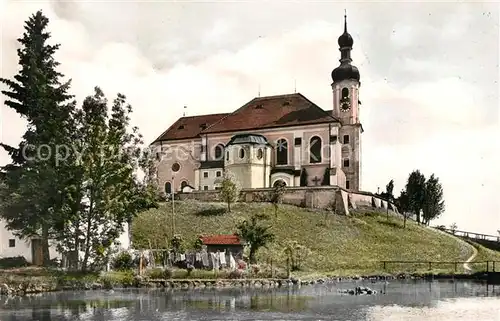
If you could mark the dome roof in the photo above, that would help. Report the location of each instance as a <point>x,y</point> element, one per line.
<point>345,71</point>
<point>254,139</point>
<point>345,40</point>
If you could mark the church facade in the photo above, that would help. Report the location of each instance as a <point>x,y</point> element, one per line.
<point>276,138</point>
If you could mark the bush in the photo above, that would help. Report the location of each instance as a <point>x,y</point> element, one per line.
<point>160,274</point>
<point>123,261</point>
<point>13,262</point>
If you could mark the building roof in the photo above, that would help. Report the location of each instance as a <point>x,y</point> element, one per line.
<point>270,112</point>
<point>221,240</point>
<point>253,139</point>
<point>189,127</point>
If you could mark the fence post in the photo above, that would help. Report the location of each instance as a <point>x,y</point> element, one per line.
<point>493,266</point>
<point>456,266</point>
<point>487,266</point>
<point>272,271</point>
<point>430,265</point>
<point>384,265</point>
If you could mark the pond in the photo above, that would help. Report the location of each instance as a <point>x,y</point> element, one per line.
<point>398,300</point>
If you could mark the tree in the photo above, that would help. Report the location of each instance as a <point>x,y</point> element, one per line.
<point>230,190</point>
<point>433,205</point>
<point>277,195</point>
<point>403,204</point>
<point>108,193</point>
<point>35,195</point>
<point>415,189</point>
<point>453,228</point>
<point>256,234</point>
<point>303,177</point>
<point>326,177</point>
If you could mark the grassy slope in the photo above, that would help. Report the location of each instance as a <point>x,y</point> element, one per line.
<point>485,254</point>
<point>339,244</point>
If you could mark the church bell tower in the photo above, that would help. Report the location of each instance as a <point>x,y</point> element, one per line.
<point>346,103</point>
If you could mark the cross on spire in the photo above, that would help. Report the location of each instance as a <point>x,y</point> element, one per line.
<point>316,180</point>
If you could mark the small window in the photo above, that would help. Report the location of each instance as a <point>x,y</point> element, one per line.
<point>346,139</point>
<point>205,188</point>
<point>346,162</point>
<point>286,103</point>
<point>168,188</point>
<point>12,243</point>
<point>203,126</point>
<point>347,185</point>
<point>205,174</point>
<point>345,93</point>
<point>176,167</point>
<point>242,153</point>
<point>218,152</point>
<point>218,174</point>
<point>227,156</point>
<point>260,153</point>
<point>217,188</point>
<point>333,139</point>
<point>298,141</point>
<point>181,127</point>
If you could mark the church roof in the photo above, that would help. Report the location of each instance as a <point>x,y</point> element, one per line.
<point>272,112</point>
<point>253,139</point>
<point>261,112</point>
<point>189,127</point>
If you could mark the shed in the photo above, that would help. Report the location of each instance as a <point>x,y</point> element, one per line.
<point>225,242</point>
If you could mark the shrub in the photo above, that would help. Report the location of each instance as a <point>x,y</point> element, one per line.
<point>160,274</point>
<point>13,262</point>
<point>123,261</point>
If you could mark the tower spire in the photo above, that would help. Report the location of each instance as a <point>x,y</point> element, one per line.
<point>345,20</point>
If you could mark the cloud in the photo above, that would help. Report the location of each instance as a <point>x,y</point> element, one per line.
<point>429,75</point>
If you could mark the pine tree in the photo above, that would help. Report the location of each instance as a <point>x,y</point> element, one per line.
<point>34,195</point>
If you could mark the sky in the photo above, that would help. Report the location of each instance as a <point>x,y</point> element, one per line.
<point>429,75</point>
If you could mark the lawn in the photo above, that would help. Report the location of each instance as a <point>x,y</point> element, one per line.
<point>338,244</point>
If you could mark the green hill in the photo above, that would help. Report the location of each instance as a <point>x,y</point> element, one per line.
<point>338,244</point>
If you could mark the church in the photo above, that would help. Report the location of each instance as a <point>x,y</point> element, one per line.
<point>285,138</point>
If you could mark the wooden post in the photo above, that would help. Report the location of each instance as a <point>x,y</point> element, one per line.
<point>384,265</point>
<point>140,265</point>
<point>456,266</point>
<point>288,267</point>
<point>430,265</point>
<point>487,266</point>
<point>493,266</point>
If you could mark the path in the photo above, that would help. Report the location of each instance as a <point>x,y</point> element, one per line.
<point>467,267</point>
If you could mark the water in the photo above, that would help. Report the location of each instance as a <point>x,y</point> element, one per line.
<point>403,300</point>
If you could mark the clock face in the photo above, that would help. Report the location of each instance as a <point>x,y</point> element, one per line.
<point>344,106</point>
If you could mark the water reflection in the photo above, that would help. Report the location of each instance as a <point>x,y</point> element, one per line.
<point>405,299</point>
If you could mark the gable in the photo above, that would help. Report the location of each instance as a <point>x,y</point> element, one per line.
<point>272,112</point>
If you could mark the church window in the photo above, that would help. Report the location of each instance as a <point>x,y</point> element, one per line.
<point>260,153</point>
<point>12,242</point>
<point>345,93</point>
<point>281,152</point>
<point>227,156</point>
<point>183,184</point>
<point>298,141</point>
<point>242,153</point>
<point>218,173</point>
<point>347,185</point>
<point>346,139</point>
<point>346,162</point>
<point>176,167</point>
<point>218,152</point>
<point>205,188</point>
<point>181,127</point>
<point>205,174</point>
<point>315,150</point>
<point>168,188</point>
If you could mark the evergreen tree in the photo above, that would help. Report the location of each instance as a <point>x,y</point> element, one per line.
<point>403,204</point>
<point>433,205</point>
<point>415,189</point>
<point>34,197</point>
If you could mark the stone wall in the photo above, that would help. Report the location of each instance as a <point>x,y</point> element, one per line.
<point>321,197</point>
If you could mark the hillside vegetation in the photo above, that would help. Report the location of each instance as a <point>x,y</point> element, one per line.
<point>342,244</point>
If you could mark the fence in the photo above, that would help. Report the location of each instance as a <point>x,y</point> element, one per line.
<point>456,266</point>
<point>471,235</point>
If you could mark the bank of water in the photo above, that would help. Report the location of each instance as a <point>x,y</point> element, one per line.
<point>438,300</point>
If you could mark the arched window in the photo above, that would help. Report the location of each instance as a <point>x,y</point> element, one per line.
<point>279,182</point>
<point>281,152</point>
<point>168,188</point>
<point>183,184</point>
<point>345,93</point>
<point>218,152</point>
<point>242,153</point>
<point>315,150</point>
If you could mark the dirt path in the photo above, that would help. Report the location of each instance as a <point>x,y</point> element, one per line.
<point>466,265</point>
